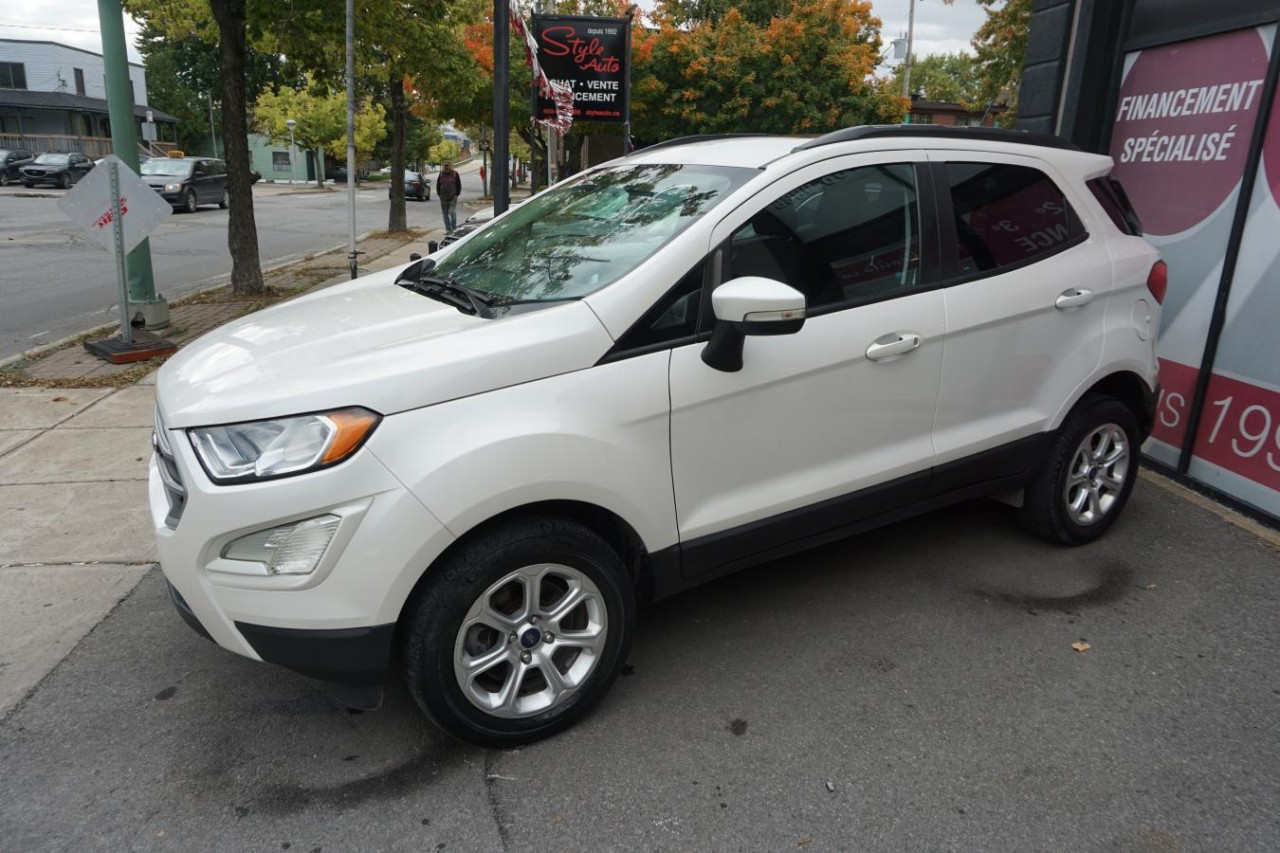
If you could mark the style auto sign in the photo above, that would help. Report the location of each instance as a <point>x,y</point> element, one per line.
<point>587,54</point>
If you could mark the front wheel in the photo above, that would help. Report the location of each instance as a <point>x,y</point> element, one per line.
<point>189,202</point>
<point>64,182</point>
<point>1088,476</point>
<point>519,632</point>
<point>225,201</point>
<point>4,179</point>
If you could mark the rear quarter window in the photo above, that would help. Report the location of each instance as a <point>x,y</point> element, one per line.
<point>1111,195</point>
<point>1007,216</point>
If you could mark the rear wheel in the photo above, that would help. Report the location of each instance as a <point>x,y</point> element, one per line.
<point>225,201</point>
<point>1088,476</point>
<point>189,202</point>
<point>519,632</point>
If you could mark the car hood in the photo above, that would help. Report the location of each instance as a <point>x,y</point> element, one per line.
<point>368,343</point>
<point>161,180</point>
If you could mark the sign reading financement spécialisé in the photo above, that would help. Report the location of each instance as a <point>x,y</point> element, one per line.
<point>589,55</point>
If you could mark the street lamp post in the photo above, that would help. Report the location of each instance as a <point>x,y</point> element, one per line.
<point>293,153</point>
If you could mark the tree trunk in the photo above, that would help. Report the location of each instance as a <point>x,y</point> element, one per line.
<point>397,220</point>
<point>242,229</point>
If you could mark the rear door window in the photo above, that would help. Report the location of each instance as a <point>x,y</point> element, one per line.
<point>1007,216</point>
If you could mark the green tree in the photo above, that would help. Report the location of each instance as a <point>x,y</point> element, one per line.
<point>321,121</point>
<point>1000,45</point>
<point>807,70</point>
<point>950,77</point>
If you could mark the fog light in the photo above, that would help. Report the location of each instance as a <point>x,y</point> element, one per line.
<point>291,549</point>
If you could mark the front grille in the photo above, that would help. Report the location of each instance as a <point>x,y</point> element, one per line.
<point>174,489</point>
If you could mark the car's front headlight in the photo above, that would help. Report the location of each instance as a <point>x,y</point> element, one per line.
<point>172,188</point>
<point>260,450</point>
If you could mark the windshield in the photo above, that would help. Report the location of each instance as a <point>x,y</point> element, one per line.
<point>160,166</point>
<point>54,159</point>
<point>573,240</point>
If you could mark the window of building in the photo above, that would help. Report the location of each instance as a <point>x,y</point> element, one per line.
<point>848,238</point>
<point>79,81</point>
<point>969,121</point>
<point>1007,215</point>
<point>922,118</point>
<point>13,75</point>
<point>280,161</point>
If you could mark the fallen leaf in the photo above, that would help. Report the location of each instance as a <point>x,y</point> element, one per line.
<point>59,399</point>
<point>1149,586</point>
<point>1081,646</point>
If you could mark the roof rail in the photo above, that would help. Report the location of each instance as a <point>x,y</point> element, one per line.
<point>706,137</point>
<point>983,134</point>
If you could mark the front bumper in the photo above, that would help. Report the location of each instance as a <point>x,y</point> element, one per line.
<point>336,623</point>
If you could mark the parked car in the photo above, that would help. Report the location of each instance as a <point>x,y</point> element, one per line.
<point>254,176</point>
<point>188,182</point>
<point>59,170</point>
<point>11,161</point>
<point>416,186</point>
<point>677,364</point>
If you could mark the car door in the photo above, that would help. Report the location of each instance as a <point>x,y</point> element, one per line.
<point>1024,302</point>
<point>832,424</point>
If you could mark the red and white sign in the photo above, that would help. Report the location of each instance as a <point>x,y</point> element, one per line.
<point>88,204</point>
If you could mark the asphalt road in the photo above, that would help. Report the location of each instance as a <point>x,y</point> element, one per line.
<point>55,281</point>
<point>911,689</point>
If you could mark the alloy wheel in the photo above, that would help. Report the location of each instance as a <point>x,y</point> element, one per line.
<point>530,641</point>
<point>1099,470</point>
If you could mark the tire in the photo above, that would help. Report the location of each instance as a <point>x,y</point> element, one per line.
<point>4,179</point>
<point>189,202</point>
<point>225,201</point>
<point>64,181</point>
<point>493,602</point>
<point>1088,475</point>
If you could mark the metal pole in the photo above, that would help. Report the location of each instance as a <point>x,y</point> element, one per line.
<point>213,138</point>
<point>626,89</point>
<point>122,268</point>
<point>293,154</point>
<point>124,142</point>
<point>351,138</point>
<point>501,106</point>
<point>911,30</point>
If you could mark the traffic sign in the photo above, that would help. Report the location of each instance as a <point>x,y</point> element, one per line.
<point>89,205</point>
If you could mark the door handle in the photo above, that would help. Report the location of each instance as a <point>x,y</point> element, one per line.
<point>888,346</point>
<point>1073,298</point>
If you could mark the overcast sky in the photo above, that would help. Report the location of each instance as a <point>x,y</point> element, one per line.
<point>939,28</point>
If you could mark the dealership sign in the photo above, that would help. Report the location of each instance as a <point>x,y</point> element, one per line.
<point>588,55</point>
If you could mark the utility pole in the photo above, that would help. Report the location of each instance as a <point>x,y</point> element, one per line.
<point>124,142</point>
<point>351,138</point>
<point>906,63</point>
<point>501,106</point>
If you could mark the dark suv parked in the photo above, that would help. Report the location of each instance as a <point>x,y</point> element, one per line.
<point>61,170</point>
<point>11,159</point>
<point>187,182</point>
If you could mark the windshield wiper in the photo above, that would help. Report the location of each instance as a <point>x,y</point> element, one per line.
<point>465,299</point>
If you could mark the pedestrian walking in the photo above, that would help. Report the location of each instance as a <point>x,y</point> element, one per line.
<point>448,188</point>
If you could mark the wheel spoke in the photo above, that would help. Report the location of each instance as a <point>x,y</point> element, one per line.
<point>1095,507</point>
<point>1112,483</point>
<point>567,605</point>
<point>1103,447</point>
<point>487,660</point>
<point>1115,456</point>
<point>589,638</point>
<point>1078,502</point>
<point>555,681</point>
<point>510,693</point>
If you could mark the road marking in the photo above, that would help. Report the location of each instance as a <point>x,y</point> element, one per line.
<point>38,334</point>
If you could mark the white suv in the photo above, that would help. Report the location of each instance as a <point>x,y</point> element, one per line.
<point>699,357</point>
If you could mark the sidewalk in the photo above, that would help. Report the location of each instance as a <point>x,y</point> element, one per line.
<point>77,536</point>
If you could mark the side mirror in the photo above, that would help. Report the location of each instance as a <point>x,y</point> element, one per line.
<point>750,305</point>
<point>432,247</point>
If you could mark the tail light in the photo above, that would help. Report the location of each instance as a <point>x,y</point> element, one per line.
<point>1158,280</point>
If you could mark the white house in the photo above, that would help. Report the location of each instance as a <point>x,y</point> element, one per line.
<point>53,98</point>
